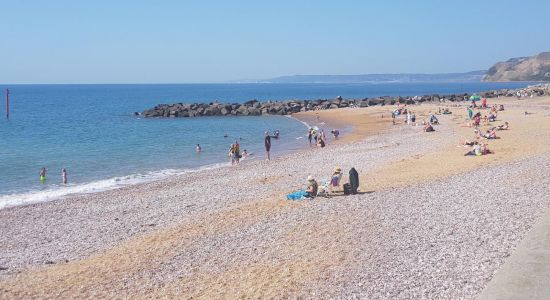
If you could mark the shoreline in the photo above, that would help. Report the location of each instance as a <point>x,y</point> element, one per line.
<point>101,185</point>
<point>233,235</point>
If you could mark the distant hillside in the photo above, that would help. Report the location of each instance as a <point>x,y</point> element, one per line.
<point>534,68</point>
<point>378,78</point>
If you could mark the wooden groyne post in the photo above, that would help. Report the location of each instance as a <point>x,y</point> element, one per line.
<point>7,103</point>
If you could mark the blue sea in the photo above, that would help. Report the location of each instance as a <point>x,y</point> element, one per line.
<point>91,131</point>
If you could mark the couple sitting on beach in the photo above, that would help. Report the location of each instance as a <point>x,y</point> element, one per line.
<point>314,190</point>
<point>478,150</point>
<point>489,134</point>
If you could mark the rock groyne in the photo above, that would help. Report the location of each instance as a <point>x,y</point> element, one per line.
<point>287,107</point>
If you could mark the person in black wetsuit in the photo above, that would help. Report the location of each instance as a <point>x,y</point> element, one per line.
<point>353,180</point>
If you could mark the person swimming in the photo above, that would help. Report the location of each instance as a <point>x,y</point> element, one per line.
<point>42,174</point>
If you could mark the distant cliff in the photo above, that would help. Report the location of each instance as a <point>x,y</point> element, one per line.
<point>534,68</point>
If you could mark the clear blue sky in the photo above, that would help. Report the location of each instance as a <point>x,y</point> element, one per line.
<point>219,41</point>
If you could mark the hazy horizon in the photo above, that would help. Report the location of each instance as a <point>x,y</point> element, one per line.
<point>66,42</point>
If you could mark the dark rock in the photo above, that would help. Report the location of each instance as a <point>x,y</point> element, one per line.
<point>374,101</point>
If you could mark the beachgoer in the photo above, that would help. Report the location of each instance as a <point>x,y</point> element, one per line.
<point>276,135</point>
<point>476,151</point>
<point>225,135</point>
<point>336,178</point>
<point>64,176</point>
<point>310,135</point>
<point>413,119</point>
<point>245,154</point>
<point>321,142</point>
<point>428,128</point>
<point>470,113</point>
<point>484,149</point>
<point>267,144</point>
<point>503,127</point>
<point>198,148</point>
<point>335,133</point>
<point>312,187</point>
<point>434,120</point>
<point>477,120</point>
<point>42,174</point>
<point>408,118</point>
<point>353,180</point>
<point>234,153</point>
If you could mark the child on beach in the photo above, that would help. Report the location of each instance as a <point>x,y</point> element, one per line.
<point>336,178</point>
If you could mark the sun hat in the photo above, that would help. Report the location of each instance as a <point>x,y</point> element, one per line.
<point>338,170</point>
<point>310,178</point>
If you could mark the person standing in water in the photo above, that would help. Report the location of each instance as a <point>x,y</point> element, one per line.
<point>42,174</point>
<point>310,135</point>
<point>198,148</point>
<point>267,144</point>
<point>64,176</point>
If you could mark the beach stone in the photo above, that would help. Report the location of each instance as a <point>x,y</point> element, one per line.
<point>375,101</point>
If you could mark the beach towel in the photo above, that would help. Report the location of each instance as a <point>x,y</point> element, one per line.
<point>299,195</point>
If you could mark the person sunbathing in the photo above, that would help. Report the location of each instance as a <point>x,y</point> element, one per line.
<point>468,143</point>
<point>492,118</point>
<point>485,149</point>
<point>476,151</point>
<point>490,135</point>
<point>503,127</point>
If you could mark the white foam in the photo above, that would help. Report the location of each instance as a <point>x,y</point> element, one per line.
<point>303,122</point>
<point>58,192</point>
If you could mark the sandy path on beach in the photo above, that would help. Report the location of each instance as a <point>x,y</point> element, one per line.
<point>267,247</point>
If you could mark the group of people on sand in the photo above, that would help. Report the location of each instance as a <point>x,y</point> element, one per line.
<point>329,187</point>
<point>317,137</point>
<point>236,155</point>
<point>410,117</point>
<point>42,175</point>
<point>474,120</point>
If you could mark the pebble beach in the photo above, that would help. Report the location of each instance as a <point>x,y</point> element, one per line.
<point>428,222</point>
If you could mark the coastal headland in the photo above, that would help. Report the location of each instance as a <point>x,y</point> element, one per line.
<point>428,222</point>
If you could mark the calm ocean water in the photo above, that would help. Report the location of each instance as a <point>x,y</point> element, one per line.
<point>90,130</point>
